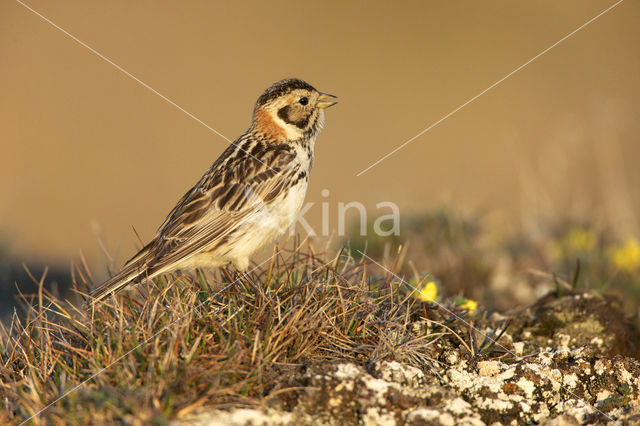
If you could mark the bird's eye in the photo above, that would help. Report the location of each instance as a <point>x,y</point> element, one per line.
<point>304,100</point>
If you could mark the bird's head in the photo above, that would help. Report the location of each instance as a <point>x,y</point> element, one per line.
<point>290,110</point>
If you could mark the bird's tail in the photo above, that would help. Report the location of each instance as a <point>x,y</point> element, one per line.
<point>135,270</point>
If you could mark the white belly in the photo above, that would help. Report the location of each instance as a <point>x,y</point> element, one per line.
<point>270,222</point>
<point>260,229</point>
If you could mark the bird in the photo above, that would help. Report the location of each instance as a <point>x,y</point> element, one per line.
<point>246,200</point>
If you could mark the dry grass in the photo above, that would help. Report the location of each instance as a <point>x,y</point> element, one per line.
<point>229,340</point>
<point>203,341</point>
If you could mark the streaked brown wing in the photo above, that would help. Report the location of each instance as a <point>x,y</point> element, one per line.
<point>222,201</point>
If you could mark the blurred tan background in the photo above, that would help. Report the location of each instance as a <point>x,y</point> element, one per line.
<point>87,152</point>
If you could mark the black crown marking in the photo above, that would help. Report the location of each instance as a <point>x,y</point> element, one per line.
<point>283,87</point>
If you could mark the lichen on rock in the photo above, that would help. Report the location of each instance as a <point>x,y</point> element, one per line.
<point>559,363</point>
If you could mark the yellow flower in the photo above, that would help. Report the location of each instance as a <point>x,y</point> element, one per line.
<point>428,293</point>
<point>627,256</point>
<point>581,239</point>
<point>469,305</point>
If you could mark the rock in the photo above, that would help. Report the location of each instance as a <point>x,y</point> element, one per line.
<point>563,420</point>
<point>488,368</point>
<point>564,361</point>
<point>237,417</point>
<point>587,389</point>
<point>576,320</point>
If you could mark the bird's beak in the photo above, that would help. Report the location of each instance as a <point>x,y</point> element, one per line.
<point>325,100</point>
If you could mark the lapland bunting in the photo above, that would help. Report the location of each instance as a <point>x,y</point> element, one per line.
<point>249,197</point>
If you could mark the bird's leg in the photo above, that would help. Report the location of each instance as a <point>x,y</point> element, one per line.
<point>231,277</point>
<point>186,277</point>
<point>241,275</point>
<point>241,266</point>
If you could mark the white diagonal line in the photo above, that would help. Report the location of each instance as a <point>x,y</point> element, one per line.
<point>133,77</point>
<point>93,376</point>
<point>484,335</point>
<point>398,148</point>
<point>127,73</point>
